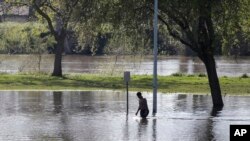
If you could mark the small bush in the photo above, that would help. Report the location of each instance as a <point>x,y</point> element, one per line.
<point>178,74</point>
<point>202,75</point>
<point>244,76</point>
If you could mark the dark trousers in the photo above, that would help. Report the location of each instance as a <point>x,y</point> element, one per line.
<point>144,113</point>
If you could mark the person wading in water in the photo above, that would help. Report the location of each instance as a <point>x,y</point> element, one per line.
<point>143,106</point>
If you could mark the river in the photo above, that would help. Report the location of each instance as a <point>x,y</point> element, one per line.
<point>116,65</point>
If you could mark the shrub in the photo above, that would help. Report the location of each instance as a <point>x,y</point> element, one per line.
<point>191,75</point>
<point>244,76</point>
<point>202,75</point>
<point>178,74</point>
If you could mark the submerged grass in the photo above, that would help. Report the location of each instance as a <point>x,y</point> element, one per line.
<point>168,84</point>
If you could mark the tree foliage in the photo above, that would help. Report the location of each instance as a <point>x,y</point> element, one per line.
<point>23,38</point>
<point>232,27</point>
<point>126,23</point>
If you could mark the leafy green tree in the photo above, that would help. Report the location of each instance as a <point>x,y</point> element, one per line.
<point>232,26</point>
<point>191,22</point>
<point>58,15</point>
<point>57,20</point>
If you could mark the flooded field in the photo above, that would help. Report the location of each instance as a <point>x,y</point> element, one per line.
<point>101,116</point>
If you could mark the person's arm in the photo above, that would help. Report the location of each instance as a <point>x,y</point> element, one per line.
<point>138,111</point>
<point>139,108</point>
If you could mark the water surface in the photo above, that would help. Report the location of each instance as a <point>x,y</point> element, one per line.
<point>101,116</point>
<point>118,64</point>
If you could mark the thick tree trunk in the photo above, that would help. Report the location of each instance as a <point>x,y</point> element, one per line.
<point>214,84</point>
<point>58,57</point>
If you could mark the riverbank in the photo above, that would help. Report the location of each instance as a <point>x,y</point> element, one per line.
<point>167,84</point>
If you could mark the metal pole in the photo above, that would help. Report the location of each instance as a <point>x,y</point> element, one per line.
<point>155,56</point>
<point>127,97</point>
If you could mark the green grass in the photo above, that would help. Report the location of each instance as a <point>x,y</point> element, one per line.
<point>167,84</point>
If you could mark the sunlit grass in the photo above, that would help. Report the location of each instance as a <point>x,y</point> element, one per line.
<point>168,84</point>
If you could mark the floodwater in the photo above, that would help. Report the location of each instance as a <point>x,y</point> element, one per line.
<point>101,116</point>
<point>116,65</point>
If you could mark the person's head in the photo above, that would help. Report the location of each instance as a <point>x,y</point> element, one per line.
<point>139,95</point>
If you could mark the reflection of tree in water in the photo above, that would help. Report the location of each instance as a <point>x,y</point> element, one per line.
<point>57,98</point>
<point>181,103</point>
<point>201,103</point>
<point>64,121</point>
<point>191,103</point>
<point>210,123</point>
<point>198,105</point>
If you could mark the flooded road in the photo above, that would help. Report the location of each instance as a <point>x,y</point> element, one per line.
<point>101,116</point>
<point>116,65</point>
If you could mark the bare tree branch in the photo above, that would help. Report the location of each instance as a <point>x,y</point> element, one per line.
<point>57,11</point>
<point>44,15</point>
<point>173,34</point>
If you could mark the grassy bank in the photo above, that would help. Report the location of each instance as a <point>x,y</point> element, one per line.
<point>171,84</point>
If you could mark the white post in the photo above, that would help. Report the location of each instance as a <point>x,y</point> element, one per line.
<point>155,56</point>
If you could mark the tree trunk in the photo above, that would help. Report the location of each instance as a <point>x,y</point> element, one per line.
<point>58,57</point>
<point>214,84</point>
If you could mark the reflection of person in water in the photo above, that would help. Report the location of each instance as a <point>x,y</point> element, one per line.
<point>143,106</point>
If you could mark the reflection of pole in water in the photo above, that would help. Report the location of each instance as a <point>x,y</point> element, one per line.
<point>126,130</point>
<point>154,133</point>
<point>127,96</point>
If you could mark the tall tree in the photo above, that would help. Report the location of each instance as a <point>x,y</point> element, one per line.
<point>192,23</point>
<point>58,15</point>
